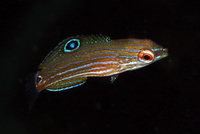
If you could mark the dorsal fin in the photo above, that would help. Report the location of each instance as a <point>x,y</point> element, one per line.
<point>84,40</point>
<point>92,39</point>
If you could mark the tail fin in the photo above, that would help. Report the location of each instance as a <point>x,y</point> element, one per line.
<point>32,91</point>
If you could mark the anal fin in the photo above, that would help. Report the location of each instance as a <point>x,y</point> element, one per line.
<point>67,84</point>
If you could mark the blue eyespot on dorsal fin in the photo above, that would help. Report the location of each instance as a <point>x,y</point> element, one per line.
<point>72,45</point>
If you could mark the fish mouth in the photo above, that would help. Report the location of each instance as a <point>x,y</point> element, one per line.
<point>161,54</point>
<point>164,52</point>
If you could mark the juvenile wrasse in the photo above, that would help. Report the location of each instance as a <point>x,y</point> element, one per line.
<point>79,57</point>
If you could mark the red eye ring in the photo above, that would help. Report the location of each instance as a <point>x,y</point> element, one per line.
<point>146,56</point>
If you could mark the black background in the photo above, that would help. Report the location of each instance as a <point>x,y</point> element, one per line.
<point>162,98</point>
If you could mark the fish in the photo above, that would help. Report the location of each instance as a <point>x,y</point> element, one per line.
<point>76,58</point>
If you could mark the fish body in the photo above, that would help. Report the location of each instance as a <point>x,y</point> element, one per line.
<point>79,57</point>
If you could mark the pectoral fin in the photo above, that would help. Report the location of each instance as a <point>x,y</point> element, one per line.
<point>113,78</point>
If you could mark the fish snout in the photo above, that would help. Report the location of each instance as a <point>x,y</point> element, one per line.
<point>165,52</point>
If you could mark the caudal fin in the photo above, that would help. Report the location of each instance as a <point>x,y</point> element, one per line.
<point>32,91</point>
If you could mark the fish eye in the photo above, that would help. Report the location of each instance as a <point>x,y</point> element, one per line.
<point>72,45</point>
<point>39,79</point>
<point>146,56</point>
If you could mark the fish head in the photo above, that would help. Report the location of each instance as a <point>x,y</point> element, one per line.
<point>138,53</point>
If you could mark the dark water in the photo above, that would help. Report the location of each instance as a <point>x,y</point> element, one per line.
<point>161,98</point>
